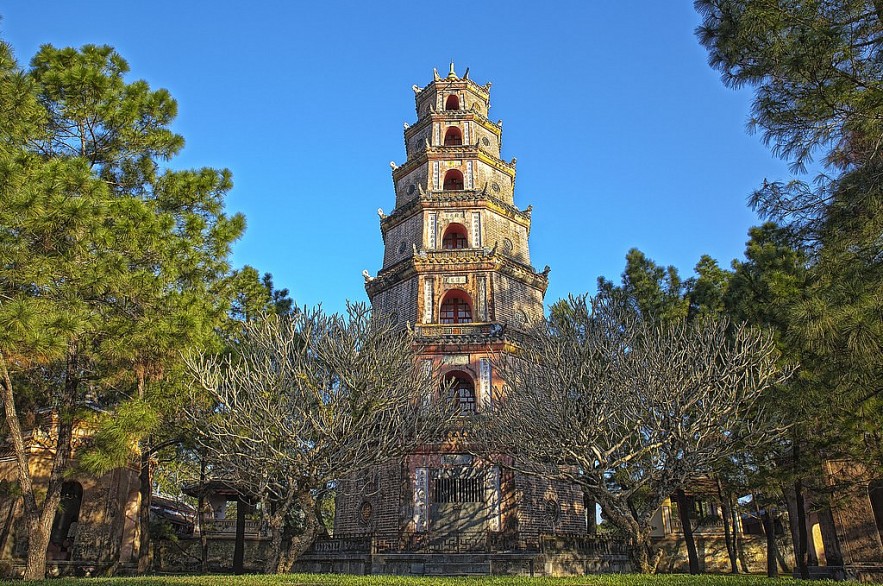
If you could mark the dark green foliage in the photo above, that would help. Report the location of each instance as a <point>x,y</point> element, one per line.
<point>817,70</point>
<point>706,291</point>
<point>254,295</point>
<point>655,292</point>
<point>659,294</point>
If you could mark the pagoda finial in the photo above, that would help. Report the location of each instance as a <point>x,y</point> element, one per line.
<point>451,73</point>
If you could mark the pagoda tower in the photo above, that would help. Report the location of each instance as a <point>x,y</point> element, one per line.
<point>456,269</point>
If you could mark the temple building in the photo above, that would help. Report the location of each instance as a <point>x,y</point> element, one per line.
<point>457,271</point>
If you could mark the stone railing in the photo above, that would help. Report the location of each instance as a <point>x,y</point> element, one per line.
<point>588,545</point>
<point>452,330</point>
<point>455,253</point>
<point>455,542</point>
<point>469,542</point>
<point>228,527</point>
<point>353,544</point>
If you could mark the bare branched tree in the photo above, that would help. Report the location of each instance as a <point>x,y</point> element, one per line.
<point>304,400</point>
<point>630,410</point>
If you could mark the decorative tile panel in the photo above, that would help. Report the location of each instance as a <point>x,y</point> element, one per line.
<point>476,229</point>
<point>432,231</point>
<point>481,301</point>
<point>421,500</point>
<point>427,301</point>
<point>484,375</point>
<point>493,498</point>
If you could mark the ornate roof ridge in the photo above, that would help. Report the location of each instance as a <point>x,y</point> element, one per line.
<point>428,117</point>
<point>469,194</point>
<point>481,89</point>
<point>502,262</point>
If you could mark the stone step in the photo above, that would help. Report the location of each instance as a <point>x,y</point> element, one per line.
<point>457,558</point>
<point>457,569</point>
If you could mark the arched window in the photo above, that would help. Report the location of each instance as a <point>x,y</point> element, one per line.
<point>453,181</point>
<point>453,136</point>
<point>452,103</point>
<point>455,237</point>
<point>875,492</point>
<point>462,391</point>
<point>456,308</point>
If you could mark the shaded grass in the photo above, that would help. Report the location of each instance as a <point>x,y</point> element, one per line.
<point>344,580</point>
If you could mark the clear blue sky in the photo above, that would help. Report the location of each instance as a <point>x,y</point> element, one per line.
<point>624,136</point>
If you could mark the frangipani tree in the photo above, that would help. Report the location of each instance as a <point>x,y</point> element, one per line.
<point>630,409</point>
<point>307,399</point>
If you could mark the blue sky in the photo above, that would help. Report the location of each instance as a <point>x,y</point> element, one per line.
<point>624,136</point>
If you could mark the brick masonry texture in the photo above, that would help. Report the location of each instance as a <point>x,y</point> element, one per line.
<point>401,300</point>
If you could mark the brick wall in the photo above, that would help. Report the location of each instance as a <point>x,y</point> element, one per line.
<point>547,506</point>
<point>498,229</point>
<point>401,240</point>
<point>406,186</point>
<point>400,299</point>
<point>513,300</point>
<point>370,502</point>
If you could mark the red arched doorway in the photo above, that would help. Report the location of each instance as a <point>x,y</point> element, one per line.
<point>456,308</point>
<point>453,181</point>
<point>455,237</point>
<point>453,136</point>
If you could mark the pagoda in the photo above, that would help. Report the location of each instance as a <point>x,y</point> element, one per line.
<point>456,269</point>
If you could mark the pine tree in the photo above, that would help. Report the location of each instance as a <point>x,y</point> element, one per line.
<point>817,68</point>
<point>110,264</point>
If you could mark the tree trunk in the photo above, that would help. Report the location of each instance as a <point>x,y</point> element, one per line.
<point>39,518</point>
<point>639,557</point>
<point>39,530</point>
<point>728,535</point>
<point>276,524</point>
<point>769,527</point>
<point>301,543</point>
<point>145,489</point>
<point>591,520</point>
<point>641,554</point>
<point>320,517</point>
<point>800,505</point>
<point>687,528</point>
<point>200,512</point>
<point>737,538</point>
<point>239,541</point>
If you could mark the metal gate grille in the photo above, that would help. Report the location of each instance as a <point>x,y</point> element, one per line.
<point>458,490</point>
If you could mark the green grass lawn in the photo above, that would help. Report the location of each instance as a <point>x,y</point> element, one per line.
<point>339,580</point>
